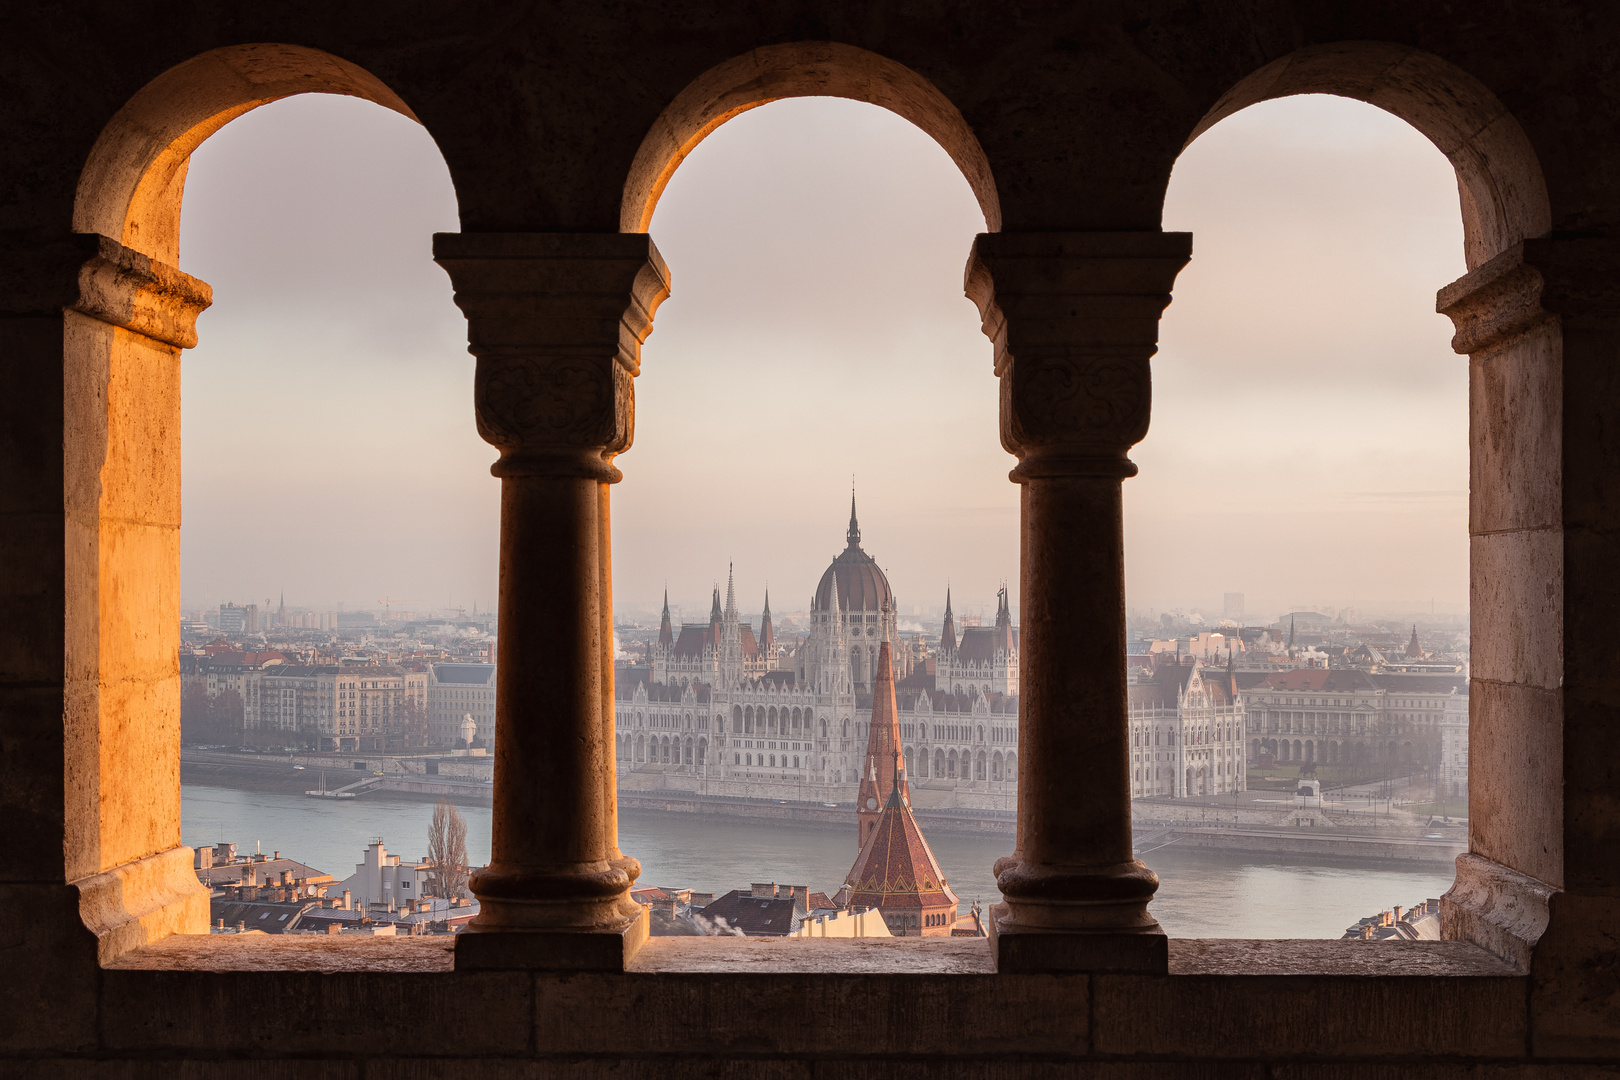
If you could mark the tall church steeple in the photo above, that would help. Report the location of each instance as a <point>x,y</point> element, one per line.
<point>854,534</point>
<point>880,772</point>
<point>666,632</point>
<point>947,635</point>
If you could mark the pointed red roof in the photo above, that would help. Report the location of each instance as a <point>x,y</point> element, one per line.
<point>896,872</point>
<point>882,742</point>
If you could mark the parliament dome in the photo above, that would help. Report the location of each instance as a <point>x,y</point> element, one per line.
<point>862,585</point>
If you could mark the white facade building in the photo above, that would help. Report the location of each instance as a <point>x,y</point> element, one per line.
<point>381,878</point>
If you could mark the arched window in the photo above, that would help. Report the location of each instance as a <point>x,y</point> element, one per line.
<point>736,720</point>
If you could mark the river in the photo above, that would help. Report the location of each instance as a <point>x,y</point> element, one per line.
<point>1201,893</point>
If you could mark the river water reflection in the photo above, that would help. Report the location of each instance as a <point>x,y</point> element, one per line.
<point>1201,893</point>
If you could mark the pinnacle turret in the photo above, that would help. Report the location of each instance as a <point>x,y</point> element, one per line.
<point>854,534</point>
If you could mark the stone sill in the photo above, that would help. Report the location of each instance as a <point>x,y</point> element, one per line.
<point>691,1000</point>
<point>763,956</point>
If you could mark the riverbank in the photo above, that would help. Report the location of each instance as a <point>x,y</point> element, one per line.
<point>1256,826</point>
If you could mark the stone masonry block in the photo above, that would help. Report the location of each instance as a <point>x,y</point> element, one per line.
<point>1270,1017</point>
<point>48,995</point>
<point>31,798</point>
<point>313,1012</point>
<point>1515,410</point>
<point>1516,778</point>
<point>787,1014</point>
<point>1517,603</point>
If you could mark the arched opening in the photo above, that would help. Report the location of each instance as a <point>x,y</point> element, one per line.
<point>1365,164</point>
<point>136,312</point>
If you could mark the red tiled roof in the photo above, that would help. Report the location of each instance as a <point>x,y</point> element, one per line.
<point>896,868</point>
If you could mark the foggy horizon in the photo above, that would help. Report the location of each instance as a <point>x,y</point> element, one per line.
<point>1308,446</point>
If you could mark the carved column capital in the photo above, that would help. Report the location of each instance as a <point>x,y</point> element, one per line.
<point>1074,318</point>
<point>129,290</point>
<point>556,321</point>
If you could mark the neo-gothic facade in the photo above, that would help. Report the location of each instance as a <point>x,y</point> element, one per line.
<point>720,703</point>
<point>1186,732</point>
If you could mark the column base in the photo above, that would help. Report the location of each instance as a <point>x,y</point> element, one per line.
<point>1020,950</point>
<point>1497,908</point>
<point>551,950</point>
<point>142,902</point>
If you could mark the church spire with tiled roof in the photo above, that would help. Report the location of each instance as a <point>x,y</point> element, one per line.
<point>878,772</point>
<point>896,871</point>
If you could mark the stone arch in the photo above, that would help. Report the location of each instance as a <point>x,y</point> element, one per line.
<point>939,763</point>
<point>950,765</point>
<point>799,69</point>
<point>134,177</point>
<point>120,365</point>
<point>995,765</point>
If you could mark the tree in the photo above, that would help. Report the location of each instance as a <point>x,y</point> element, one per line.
<point>447,851</point>
<point>411,721</point>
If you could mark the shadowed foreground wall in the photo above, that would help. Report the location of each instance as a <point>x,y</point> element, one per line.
<point>560,126</point>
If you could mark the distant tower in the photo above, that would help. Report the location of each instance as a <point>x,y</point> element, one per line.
<point>666,633</point>
<point>767,636</point>
<point>882,742</point>
<point>1413,650</point>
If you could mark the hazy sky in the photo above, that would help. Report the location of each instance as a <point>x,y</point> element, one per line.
<point>1309,435</point>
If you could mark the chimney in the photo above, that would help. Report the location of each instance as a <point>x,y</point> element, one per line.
<point>334,928</point>
<point>801,896</point>
<point>220,923</point>
<point>1397,913</point>
<point>346,900</point>
<point>765,890</point>
<point>277,855</point>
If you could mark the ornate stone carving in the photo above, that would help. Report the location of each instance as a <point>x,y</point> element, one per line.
<point>1492,303</point>
<point>556,321</point>
<point>140,294</point>
<point>1074,320</point>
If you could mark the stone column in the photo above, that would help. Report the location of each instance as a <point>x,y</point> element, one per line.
<point>556,322</point>
<point>1074,318</point>
<point>1540,885</point>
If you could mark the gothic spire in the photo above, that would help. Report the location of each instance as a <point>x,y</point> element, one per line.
<point>947,634</point>
<point>767,634</point>
<point>731,593</point>
<point>666,632</point>
<point>714,610</point>
<point>854,534</point>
